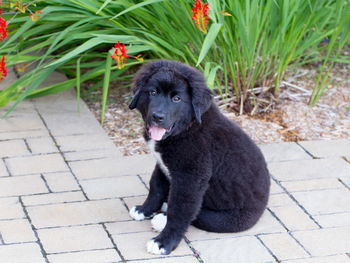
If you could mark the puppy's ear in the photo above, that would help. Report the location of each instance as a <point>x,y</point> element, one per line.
<point>134,100</point>
<point>201,95</point>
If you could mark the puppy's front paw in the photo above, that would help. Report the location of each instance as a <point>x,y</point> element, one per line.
<point>158,222</point>
<point>136,214</point>
<point>154,247</point>
<point>162,244</point>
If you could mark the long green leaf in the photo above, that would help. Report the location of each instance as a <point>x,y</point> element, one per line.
<point>209,41</point>
<point>106,86</point>
<point>133,7</point>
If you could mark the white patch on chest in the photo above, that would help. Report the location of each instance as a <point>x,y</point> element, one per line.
<point>152,147</point>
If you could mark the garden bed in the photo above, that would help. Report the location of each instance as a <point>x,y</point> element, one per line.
<point>289,118</point>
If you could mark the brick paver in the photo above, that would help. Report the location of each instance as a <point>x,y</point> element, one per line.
<point>92,256</point>
<point>324,242</point>
<point>36,164</point>
<point>22,185</point>
<point>75,238</point>
<point>16,231</point>
<point>65,192</point>
<point>41,145</point>
<point>21,253</point>
<point>284,246</point>
<point>61,181</point>
<point>246,249</point>
<point>327,148</point>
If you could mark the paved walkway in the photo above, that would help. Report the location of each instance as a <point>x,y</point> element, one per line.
<point>65,192</point>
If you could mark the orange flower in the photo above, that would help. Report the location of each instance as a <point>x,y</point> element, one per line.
<point>21,67</point>
<point>35,16</point>
<point>224,13</point>
<point>3,70</point>
<point>200,15</point>
<point>120,54</point>
<point>19,6</point>
<point>139,58</point>
<point>3,29</point>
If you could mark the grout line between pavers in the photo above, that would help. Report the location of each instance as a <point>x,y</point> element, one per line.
<point>45,182</point>
<point>87,224</point>
<point>12,219</point>
<point>313,257</point>
<point>346,159</point>
<point>305,150</point>
<point>60,152</point>
<point>18,131</point>
<point>20,243</point>
<point>160,257</point>
<point>295,200</point>
<point>30,155</point>
<point>106,177</point>
<point>309,190</point>
<point>278,219</point>
<point>90,159</point>
<point>1,240</point>
<point>144,183</point>
<point>77,251</point>
<point>68,202</point>
<point>114,244</point>
<point>305,180</point>
<point>345,185</point>
<point>27,145</point>
<point>38,194</point>
<point>300,244</point>
<point>6,167</point>
<point>196,253</point>
<point>43,252</point>
<point>66,171</point>
<point>267,248</point>
<point>124,203</point>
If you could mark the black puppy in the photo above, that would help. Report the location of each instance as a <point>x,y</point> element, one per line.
<point>208,170</point>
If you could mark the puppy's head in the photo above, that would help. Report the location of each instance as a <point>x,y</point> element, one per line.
<point>169,95</point>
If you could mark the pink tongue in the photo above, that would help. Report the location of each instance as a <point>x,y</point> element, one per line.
<point>156,132</point>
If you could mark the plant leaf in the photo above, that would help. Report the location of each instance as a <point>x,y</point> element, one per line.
<point>209,41</point>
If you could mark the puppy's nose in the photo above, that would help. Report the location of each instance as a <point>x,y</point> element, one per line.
<point>158,117</point>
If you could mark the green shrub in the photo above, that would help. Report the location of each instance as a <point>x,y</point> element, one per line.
<point>252,47</point>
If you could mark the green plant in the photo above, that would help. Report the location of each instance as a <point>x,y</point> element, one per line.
<point>250,44</point>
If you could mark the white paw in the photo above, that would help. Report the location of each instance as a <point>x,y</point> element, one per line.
<point>158,222</point>
<point>136,214</point>
<point>153,248</point>
<point>164,207</point>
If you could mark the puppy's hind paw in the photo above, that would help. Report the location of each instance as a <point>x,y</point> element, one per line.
<point>153,247</point>
<point>135,214</point>
<point>158,222</point>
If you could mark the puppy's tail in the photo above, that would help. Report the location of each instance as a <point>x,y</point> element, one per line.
<point>227,221</point>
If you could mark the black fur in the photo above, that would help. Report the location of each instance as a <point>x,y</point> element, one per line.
<point>219,179</point>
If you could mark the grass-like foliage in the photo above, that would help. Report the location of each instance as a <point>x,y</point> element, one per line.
<point>249,43</point>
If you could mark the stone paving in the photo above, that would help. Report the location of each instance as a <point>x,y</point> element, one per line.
<point>65,192</point>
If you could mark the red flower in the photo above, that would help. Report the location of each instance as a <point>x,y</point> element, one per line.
<point>3,70</point>
<point>120,54</point>
<point>3,30</point>
<point>200,15</point>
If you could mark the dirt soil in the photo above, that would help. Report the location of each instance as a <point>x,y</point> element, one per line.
<point>289,118</point>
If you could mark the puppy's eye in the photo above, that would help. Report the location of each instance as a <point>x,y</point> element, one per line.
<point>153,92</point>
<point>176,98</point>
